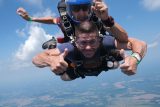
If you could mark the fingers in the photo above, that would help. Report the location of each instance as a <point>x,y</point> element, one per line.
<point>93,9</point>
<point>59,66</point>
<point>65,53</point>
<point>58,69</point>
<point>62,62</point>
<point>125,64</point>
<point>128,67</point>
<point>21,11</point>
<point>123,54</point>
<point>100,6</point>
<point>100,9</point>
<point>128,72</point>
<point>126,59</point>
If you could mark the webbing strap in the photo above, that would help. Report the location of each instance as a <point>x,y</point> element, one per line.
<point>65,20</point>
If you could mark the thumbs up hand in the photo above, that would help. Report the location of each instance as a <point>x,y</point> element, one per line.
<point>65,53</point>
<point>58,64</point>
<point>129,66</point>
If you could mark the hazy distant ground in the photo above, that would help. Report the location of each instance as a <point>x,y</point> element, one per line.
<point>106,90</point>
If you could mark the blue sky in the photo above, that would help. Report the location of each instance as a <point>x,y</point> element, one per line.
<point>21,40</point>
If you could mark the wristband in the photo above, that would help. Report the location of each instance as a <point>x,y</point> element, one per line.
<point>137,56</point>
<point>30,19</point>
<point>109,22</point>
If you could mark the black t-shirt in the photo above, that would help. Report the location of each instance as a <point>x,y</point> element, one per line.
<point>108,43</point>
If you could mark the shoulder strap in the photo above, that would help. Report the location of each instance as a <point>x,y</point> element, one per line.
<point>66,22</point>
<point>99,24</point>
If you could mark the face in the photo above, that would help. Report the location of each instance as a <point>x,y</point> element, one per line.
<point>80,12</point>
<point>88,44</point>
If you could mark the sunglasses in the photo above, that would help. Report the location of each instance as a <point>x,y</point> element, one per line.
<point>83,7</point>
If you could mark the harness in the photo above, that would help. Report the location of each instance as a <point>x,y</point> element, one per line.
<point>68,24</point>
<point>106,57</point>
<point>103,62</point>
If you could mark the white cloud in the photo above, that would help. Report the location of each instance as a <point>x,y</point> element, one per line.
<point>31,46</point>
<point>155,42</point>
<point>21,32</point>
<point>46,12</point>
<point>151,4</point>
<point>37,36</point>
<point>119,85</point>
<point>152,45</point>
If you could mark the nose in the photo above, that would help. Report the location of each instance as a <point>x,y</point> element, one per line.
<point>88,47</point>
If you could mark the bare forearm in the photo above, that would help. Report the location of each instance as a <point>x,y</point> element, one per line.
<point>44,59</point>
<point>138,46</point>
<point>24,14</point>
<point>119,33</point>
<point>41,60</point>
<point>45,20</point>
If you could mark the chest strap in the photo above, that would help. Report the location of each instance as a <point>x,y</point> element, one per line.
<point>66,22</point>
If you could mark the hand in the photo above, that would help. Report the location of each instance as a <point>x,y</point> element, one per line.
<point>58,64</point>
<point>53,52</point>
<point>129,66</point>
<point>22,12</point>
<point>100,9</point>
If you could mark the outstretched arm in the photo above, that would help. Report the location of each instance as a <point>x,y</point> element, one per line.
<point>52,58</point>
<point>44,59</point>
<point>131,62</point>
<point>135,45</point>
<point>47,20</point>
<point>118,32</point>
<point>55,60</point>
